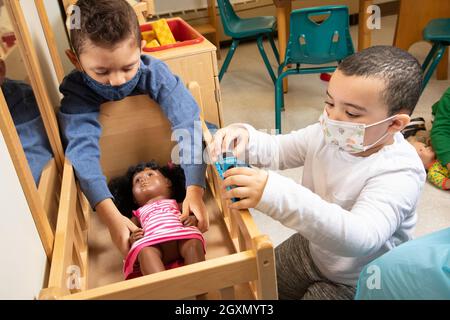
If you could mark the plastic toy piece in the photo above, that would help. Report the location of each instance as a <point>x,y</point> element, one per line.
<point>153,44</point>
<point>163,32</point>
<point>228,161</point>
<point>148,35</point>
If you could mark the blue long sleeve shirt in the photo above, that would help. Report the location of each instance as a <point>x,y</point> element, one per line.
<point>81,130</point>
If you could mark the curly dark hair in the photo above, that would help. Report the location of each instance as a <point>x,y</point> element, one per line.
<point>105,23</point>
<point>400,71</point>
<point>121,187</point>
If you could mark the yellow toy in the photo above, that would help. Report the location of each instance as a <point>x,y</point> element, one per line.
<point>152,44</point>
<point>163,32</point>
<point>148,36</point>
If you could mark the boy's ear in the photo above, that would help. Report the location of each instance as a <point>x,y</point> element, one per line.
<point>399,123</point>
<point>73,58</point>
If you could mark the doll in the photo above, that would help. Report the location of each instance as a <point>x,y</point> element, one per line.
<point>437,174</point>
<point>149,196</point>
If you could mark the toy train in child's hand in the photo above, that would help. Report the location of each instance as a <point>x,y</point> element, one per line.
<point>228,161</point>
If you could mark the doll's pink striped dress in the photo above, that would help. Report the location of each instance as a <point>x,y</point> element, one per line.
<point>160,221</point>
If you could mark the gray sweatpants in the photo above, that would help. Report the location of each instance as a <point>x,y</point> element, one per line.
<point>299,279</point>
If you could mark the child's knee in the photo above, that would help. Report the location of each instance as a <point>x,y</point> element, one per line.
<point>150,252</point>
<point>192,247</point>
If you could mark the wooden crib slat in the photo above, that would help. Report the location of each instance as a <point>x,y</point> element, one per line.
<point>266,285</point>
<point>181,282</point>
<point>64,236</point>
<point>227,293</point>
<point>49,187</point>
<point>83,209</point>
<point>79,237</point>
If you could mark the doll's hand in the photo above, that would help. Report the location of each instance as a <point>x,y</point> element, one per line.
<point>136,235</point>
<point>194,203</point>
<point>190,221</point>
<point>247,184</point>
<point>232,138</point>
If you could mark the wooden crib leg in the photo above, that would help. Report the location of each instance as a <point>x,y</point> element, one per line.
<point>266,285</point>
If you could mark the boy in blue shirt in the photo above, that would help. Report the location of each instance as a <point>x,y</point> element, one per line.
<point>107,53</point>
<point>27,119</point>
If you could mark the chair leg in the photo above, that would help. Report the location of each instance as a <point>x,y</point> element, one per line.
<point>437,58</point>
<point>227,61</point>
<point>279,102</point>
<point>430,56</point>
<point>274,48</point>
<point>266,60</point>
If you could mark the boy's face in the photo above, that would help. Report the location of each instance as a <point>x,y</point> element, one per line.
<point>112,66</point>
<point>359,100</point>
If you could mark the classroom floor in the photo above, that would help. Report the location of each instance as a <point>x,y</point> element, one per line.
<point>247,91</point>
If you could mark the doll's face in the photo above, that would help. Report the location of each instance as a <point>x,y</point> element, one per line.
<point>425,153</point>
<point>2,71</point>
<point>149,184</point>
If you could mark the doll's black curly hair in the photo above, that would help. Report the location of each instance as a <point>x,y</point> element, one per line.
<point>121,187</point>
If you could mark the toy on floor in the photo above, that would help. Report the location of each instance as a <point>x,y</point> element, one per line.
<point>437,174</point>
<point>228,161</point>
<point>149,195</point>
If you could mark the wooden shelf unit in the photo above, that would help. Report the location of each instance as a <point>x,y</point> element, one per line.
<point>211,26</point>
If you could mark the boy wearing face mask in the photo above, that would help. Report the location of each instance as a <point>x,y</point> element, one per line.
<point>361,178</point>
<point>107,46</point>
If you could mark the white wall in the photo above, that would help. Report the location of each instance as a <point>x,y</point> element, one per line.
<point>22,257</point>
<point>41,48</point>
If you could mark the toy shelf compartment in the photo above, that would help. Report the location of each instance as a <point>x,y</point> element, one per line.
<point>183,33</point>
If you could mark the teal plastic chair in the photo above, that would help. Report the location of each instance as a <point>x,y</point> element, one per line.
<point>241,29</point>
<point>438,33</point>
<point>313,43</point>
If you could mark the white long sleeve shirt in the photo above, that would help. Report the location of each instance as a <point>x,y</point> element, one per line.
<point>351,209</point>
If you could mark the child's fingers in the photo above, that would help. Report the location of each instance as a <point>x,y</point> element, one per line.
<point>238,180</point>
<point>202,225</point>
<point>239,171</point>
<point>217,144</point>
<point>239,192</point>
<point>242,204</point>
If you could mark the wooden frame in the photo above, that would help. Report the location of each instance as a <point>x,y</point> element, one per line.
<point>240,261</point>
<point>43,199</point>
<point>36,78</point>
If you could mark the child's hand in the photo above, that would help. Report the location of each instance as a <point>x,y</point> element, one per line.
<point>190,221</point>
<point>248,185</point>
<point>194,203</point>
<point>136,235</point>
<point>231,138</point>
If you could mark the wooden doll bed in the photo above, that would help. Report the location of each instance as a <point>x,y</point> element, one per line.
<point>86,265</point>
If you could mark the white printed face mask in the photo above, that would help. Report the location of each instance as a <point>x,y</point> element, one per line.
<point>348,136</point>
